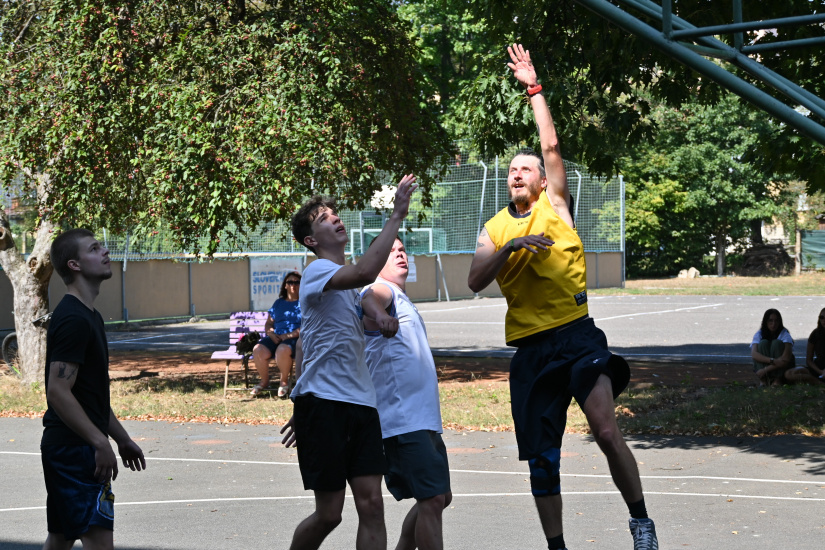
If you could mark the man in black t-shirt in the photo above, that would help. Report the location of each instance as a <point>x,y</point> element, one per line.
<point>78,461</point>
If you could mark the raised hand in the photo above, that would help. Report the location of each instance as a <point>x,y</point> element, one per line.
<point>401,204</point>
<point>521,66</point>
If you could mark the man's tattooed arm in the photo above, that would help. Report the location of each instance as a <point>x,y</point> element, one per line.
<point>480,243</point>
<point>65,370</point>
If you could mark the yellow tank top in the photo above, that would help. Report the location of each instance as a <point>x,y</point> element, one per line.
<point>543,290</point>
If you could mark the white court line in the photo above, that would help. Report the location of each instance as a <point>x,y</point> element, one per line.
<point>497,472</point>
<point>168,343</point>
<point>656,312</point>
<point>459,308</point>
<point>455,495</point>
<point>597,319</point>
<point>172,334</point>
<point>465,323</point>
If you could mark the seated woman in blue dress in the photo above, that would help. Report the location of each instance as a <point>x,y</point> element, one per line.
<point>772,350</point>
<point>282,329</point>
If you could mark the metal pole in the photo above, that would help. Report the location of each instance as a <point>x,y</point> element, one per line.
<point>443,279</point>
<point>496,185</point>
<point>249,272</point>
<point>667,21</point>
<point>437,286</point>
<point>125,313</point>
<point>738,40</point>
<point>578,196</point>
<point>621,226</point>
<point>191,303</point>
<point>778,82</point>
<point>684,55</point>
<point>481,204</point>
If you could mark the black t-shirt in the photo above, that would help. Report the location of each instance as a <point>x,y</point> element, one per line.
<point>77,335</point>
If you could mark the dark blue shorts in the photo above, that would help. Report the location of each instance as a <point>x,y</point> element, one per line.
<point>269,344</point>
<point>75,500</point>
<point>551,368</point>
<point>337,441</point>
<point>418,466</point>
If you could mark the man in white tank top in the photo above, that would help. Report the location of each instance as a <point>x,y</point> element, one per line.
<point>406,385</point>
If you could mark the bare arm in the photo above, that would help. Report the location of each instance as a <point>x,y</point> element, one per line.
<point>62,377</point>
<point>299,357</point>
<point>129,451</point>
<point>375,302</point>
<point>786,359</point>
<point>488,261</point>
<point>557,189</point>
<point>269,329</point>
<point>809,358</point>
<point>374,258</point>
<point>288,430</point>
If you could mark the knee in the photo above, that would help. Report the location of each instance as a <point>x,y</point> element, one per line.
<point>608,437</point>
<point>371,507</point>
<point>329,519</point>
<point>545,478</point>
<point>434,506</point>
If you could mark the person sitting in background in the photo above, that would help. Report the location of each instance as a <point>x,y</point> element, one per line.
<point>772,350</point>
<point>282,329</point>
<point>814,369</point>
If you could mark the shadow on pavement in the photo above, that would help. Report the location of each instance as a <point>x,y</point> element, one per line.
<point>785,447</point>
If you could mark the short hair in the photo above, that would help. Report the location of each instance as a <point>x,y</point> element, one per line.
<point>303,218</point>
<point>766,332</point>
<point>531,153</point>
<point>282,294</point>
<point>397,238</point>
<point>64,248</point>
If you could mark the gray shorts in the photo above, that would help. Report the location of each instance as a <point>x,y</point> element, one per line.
<point>418,465</point>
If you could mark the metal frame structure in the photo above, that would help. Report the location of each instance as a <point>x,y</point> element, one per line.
<point>691,45</point>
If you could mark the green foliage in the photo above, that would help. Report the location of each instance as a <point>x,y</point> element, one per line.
<point>601,82</point>
<point>207,115</point>
<point>691,189</point>
<point>451,39</point>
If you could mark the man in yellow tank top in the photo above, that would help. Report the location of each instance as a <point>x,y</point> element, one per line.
<point>532,250</point>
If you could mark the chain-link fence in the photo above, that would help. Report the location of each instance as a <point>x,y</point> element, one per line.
<point>471,193</point>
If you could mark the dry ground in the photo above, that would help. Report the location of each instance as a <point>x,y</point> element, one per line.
<point>451,369</point>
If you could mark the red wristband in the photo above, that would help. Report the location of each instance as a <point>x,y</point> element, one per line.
<point>534,90</point>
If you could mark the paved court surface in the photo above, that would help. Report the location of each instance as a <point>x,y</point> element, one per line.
<point>214,486</point>
<point>660,328</point>
<point>235,487</point>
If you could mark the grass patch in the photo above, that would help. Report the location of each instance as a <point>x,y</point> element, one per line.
<point>807,284</point>
<point>735,410</point>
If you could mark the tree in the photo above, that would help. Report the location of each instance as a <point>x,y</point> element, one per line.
<point>198,116</point>
<point>601,82</point>
<point>692,191</point>
<point>451,40</point>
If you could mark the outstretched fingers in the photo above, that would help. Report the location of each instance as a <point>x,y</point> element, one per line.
<point>403,193</point>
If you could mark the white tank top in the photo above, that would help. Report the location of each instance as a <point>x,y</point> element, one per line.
<point>403,371</point>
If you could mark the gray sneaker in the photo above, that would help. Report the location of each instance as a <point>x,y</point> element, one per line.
<point>644,534</point>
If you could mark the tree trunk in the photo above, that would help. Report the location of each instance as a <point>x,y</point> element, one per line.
<point>30,281</point>
<point>721,245</point>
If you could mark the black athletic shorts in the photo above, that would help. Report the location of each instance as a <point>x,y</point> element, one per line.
<point>551,368</point>
<point>418,466</point>
<point>75,499</point>
<point>337,441</point>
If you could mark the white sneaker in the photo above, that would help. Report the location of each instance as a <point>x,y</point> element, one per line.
<point>282,391</point>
